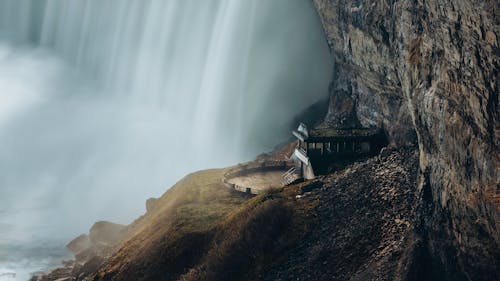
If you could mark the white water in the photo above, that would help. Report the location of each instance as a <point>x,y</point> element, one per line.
<point>106,103</point>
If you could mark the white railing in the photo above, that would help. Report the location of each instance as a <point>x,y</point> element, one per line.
<point>290,176</point>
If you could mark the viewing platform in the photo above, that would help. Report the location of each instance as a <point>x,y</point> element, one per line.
<point>318,149</point>
<point>256,177</point>
<point>315,151</point>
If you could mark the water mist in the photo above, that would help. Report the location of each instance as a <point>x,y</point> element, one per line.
<point>106,103</point>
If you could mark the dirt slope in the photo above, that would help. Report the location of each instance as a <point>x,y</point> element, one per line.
<point>358,223</point>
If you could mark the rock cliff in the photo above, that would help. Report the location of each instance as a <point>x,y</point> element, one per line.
<point>428,72</point>
<point>426,208</point>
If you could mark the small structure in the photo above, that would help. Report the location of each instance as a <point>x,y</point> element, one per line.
<point>317,149</point>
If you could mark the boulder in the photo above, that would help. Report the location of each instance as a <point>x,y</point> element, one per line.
<point>106,233</point>
<point>151,204</point>
<point>79,244</point>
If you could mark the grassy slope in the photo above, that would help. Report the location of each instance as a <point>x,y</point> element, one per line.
<point>203,231</point>
<point>350,227</point>
<point>171,238</point>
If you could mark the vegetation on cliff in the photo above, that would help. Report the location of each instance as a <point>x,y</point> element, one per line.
<point>356,222</point>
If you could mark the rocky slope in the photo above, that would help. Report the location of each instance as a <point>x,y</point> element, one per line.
<point>358,222</point>
<point>361,223</point>
<point>430,69</point>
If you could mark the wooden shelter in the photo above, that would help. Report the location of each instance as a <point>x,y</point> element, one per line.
<point>317,149</point>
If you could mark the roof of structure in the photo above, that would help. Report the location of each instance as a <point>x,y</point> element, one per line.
<point>333,133</point>
<point>327,134</point>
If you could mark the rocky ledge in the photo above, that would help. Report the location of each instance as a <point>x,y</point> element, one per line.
<point>90,251</point>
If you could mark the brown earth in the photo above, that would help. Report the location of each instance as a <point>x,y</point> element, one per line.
<point>358,222</point>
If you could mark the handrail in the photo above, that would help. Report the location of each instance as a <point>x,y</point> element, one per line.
<point>290,171</point>
<point>302,150</point>
<point>290,176</point>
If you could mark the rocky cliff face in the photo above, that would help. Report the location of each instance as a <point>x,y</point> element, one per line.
<point>425,71</point>
<point>428,72</point>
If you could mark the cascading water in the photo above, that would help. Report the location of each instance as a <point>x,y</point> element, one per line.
<point>106,103</point>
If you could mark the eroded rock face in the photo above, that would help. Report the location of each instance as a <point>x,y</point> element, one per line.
<point>79,244</point>
<point>151,204</point>
<point>342,106</point>
<point>432,67</point>
<point>90,250</point>
<point>102,237</point>
<point>108,233</point>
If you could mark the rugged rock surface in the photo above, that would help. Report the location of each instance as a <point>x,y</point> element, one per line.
<point>79,244</point>
<point>361,225</point>
<point>431,67</point>
<point>151,204</point>
<point>107,233</point>
<point>90,251</point>
<point>341,109</point>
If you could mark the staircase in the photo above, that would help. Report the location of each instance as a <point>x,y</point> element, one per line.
<point>290,176</point>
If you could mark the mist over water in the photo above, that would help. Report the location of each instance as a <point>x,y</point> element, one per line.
<point>106,103</point>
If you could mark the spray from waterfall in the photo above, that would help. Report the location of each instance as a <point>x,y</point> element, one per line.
<point>106,103</point>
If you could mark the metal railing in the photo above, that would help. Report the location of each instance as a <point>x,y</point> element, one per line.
<point>290,176</point>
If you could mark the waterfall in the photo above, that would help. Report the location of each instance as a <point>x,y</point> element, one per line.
<point>106,103</point>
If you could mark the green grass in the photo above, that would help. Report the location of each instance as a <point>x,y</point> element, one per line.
<point>175,234</point>
<point>201,230</point>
